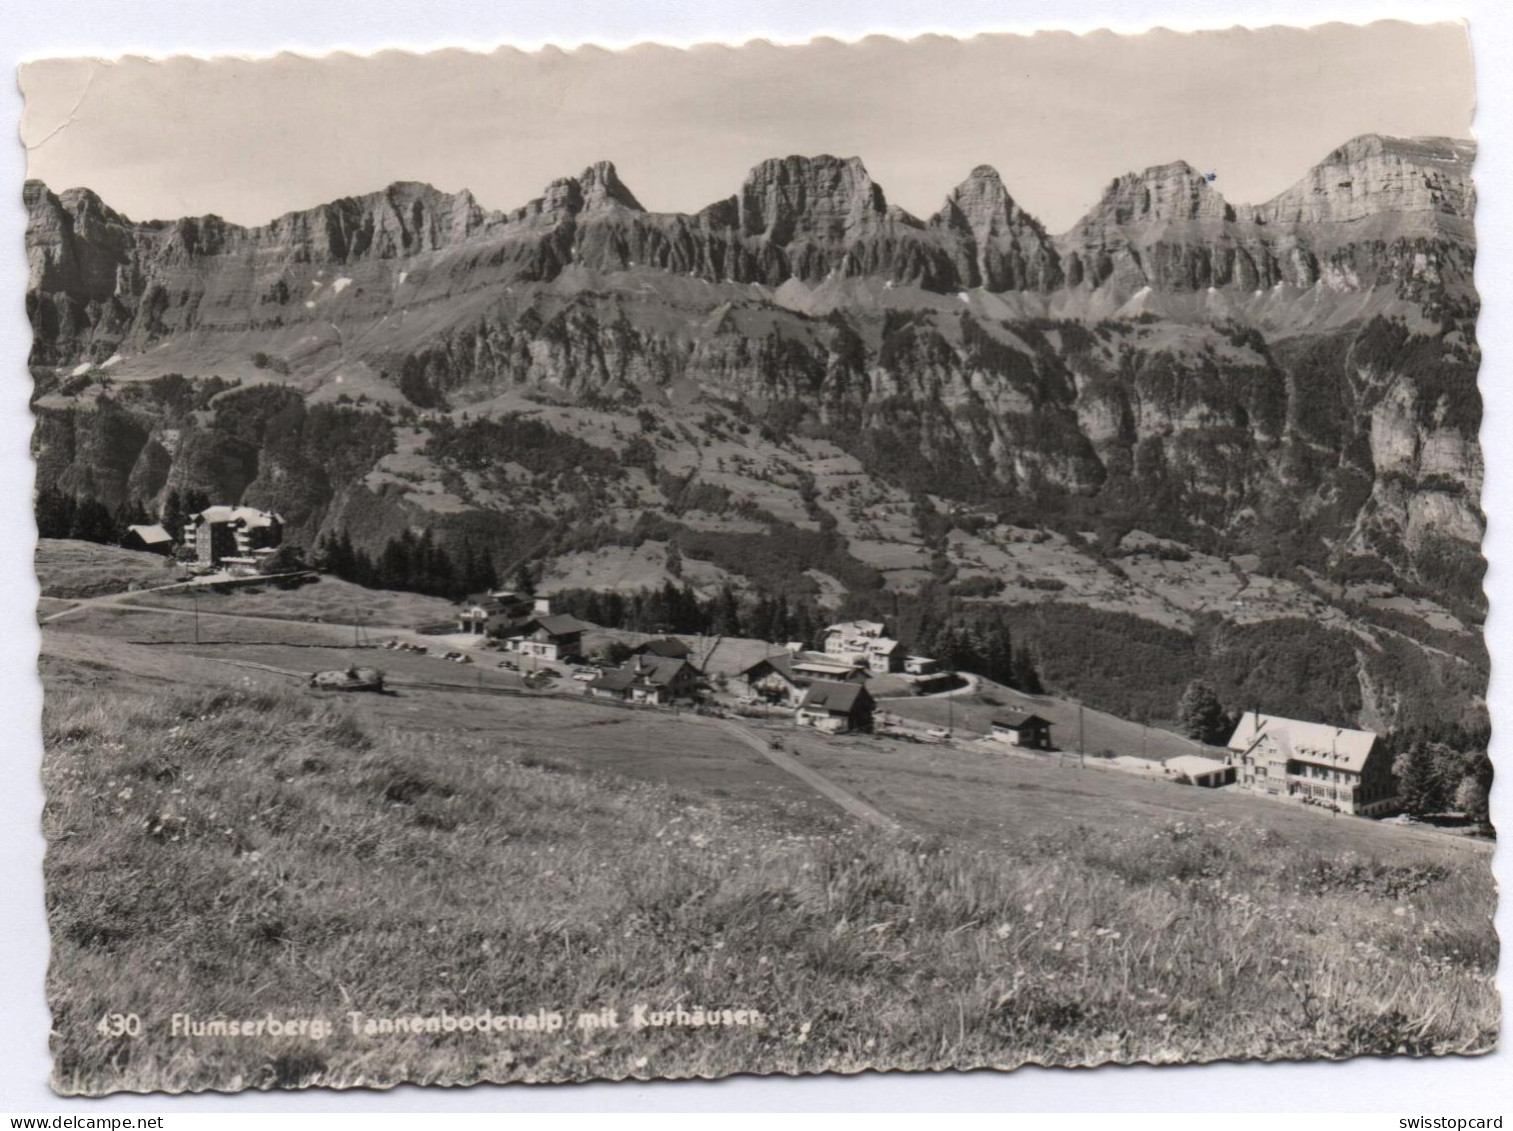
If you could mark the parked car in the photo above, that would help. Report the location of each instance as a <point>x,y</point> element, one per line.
<point>938,732</point>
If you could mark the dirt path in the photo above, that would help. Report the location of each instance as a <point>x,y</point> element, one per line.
<point>971,686</point>
<point>818,782</point>
<point>123,600</point>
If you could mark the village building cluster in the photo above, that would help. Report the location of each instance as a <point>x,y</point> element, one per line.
<point>1283,759</point>
<point>864,644</point>
<point>827,690</point>
<point>659,680</point>
<point>524,623</point>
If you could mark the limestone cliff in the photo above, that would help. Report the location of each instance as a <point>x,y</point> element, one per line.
<point>1241,372</point>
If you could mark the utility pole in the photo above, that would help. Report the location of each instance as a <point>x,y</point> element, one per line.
<point>1081,744</point>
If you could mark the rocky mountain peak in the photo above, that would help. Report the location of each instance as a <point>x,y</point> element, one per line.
<point>597,189</point>
<point>1371,174</point>
<point>981,205</point>
<point>601,187</point>
<point>824,197</point>
<point>1159,194</point>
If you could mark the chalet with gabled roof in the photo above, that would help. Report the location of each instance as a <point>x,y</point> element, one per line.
<point>1020,728</point>
<point>555,637</point>
<point>498,610</point>
<point>785,676</point>
<point>667,647</point>
<point>836,707</point>
<point>151,537</point>
<point>658,680</point>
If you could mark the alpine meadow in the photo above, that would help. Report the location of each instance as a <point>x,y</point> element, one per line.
<point>582,642</point>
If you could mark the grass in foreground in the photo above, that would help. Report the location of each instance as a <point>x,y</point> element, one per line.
<point>229,854</point>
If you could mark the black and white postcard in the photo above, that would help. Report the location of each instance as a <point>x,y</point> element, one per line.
<point>680,562</point>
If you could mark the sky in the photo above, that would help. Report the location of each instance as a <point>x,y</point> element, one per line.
<point>1058,115</point>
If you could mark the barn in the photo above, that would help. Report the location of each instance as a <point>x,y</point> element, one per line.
<point>150,537</point>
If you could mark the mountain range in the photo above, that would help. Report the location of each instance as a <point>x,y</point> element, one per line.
<point>1380,220</point>
<point>589,385</point>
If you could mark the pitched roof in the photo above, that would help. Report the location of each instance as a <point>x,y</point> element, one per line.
<point>1016,719</point>
<point>832,696</point>
<point>558,624</point>
<point>249,516</point>
<point>1193,765</point>
<point>666,646</point>
<point>790,665</point>
<point>616,679</point>
<point>151,533</point>
<point>857,628</point>
<point>780,662</point>
<point>827,665</point>
<point>657,670</point>
<point>1311,742</point>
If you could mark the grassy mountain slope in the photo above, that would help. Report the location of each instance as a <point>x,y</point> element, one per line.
<point>230,853</point>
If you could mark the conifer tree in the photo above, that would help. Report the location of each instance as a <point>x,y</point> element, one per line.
<point>1026,678</point>
<point>1201,715</point>
<point>1420,785</point>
